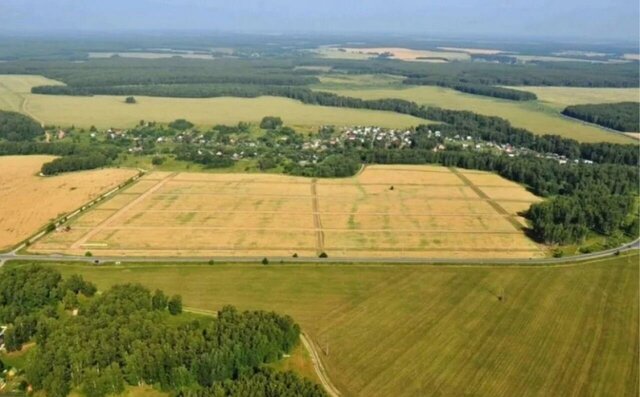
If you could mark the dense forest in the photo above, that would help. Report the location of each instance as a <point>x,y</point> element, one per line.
<point>622,116</point>
<point>18,127</point>
<point>97,344</point>
<point>253,76</point>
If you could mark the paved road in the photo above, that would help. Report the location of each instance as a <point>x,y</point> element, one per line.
<point>248,259</point>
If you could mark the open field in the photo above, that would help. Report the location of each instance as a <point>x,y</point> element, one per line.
<point>111,111</point>
<point>473,51</point>
<point>29,202</point>
<point>430,212</point>
<point>411,330</point>
<point>562,97</point>
<point>536,116</point>
<point>403,54</point>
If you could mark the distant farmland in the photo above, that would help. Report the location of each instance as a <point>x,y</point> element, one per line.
<point>416,330</point>
<point>112,111</point>
<point>536,116</point>
<point>385,211</point>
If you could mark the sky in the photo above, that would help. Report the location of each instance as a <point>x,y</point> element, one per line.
<point>586,19</point>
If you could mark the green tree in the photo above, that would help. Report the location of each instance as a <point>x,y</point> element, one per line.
<point>159,300</point>
<point>175,305</point>
<point>271,123</point>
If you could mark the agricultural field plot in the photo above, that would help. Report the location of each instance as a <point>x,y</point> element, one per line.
<point>383,212</point>
<point>561,97</point>
<point>403,54</point>
<point>29,201</point>
<point>405,331</point>
<point>539,117</point>
<point>112,111</point>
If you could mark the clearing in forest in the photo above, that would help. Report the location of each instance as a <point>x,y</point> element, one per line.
<point>383,212</point>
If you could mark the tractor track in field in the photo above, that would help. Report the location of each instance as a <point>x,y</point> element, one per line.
<point>104,224</point>
<point>317,222</point>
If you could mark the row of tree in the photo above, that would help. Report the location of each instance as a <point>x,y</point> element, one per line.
<point>477,89</point>
<point>622,116</point>
<point>582,198</point>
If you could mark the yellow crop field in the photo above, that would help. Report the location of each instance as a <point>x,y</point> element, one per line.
<point>29,201</point>
<point>112,111</point>
<point>536,116</point>
<point>415,330</point>
<point>384,211</point>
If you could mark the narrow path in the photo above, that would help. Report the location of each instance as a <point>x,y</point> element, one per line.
<point>317,222</point>
<point>514,222</point>
<point>83,240</point>
<point>319,368</point>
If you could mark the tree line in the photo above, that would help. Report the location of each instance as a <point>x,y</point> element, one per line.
<point>18,127</point>
<point>477,89</point>
<point>98,344</point>
<point>581,198</point>
<point>622,116</point>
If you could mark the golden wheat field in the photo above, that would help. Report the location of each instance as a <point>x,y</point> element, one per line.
<point>384,211</point>
<point>30,201</point>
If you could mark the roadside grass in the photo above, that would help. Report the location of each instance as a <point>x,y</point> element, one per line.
<point>411,330</point>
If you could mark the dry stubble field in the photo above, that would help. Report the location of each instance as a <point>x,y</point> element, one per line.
<point>28,201</point>
<point>431,212</point>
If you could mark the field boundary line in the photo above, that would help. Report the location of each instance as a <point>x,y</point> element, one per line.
<point>118,213</point>
<point>317,365</point>
<point>317,222</point>
<point>517,225</point>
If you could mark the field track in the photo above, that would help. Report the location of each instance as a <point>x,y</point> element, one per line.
<point>383,211</point>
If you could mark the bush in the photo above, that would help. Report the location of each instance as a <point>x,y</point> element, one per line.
<point>175,305</point>
<point>265,261</point>
<point>271,123</point>
<point>88,254</point>
<point>157,160</point>
<point>323,255</point>
<point>130,100</point>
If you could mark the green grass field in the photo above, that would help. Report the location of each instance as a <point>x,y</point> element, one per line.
<point>111,111</point>
<point>541,117</point>
<point>409,330</point>
<point>562,97</point>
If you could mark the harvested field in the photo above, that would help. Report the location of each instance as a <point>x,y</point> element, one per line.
<point>405,331</point>
<point>29,202</point>
<point>384,211</point>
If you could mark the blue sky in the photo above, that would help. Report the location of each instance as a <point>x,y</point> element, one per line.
<point>608,19</point>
